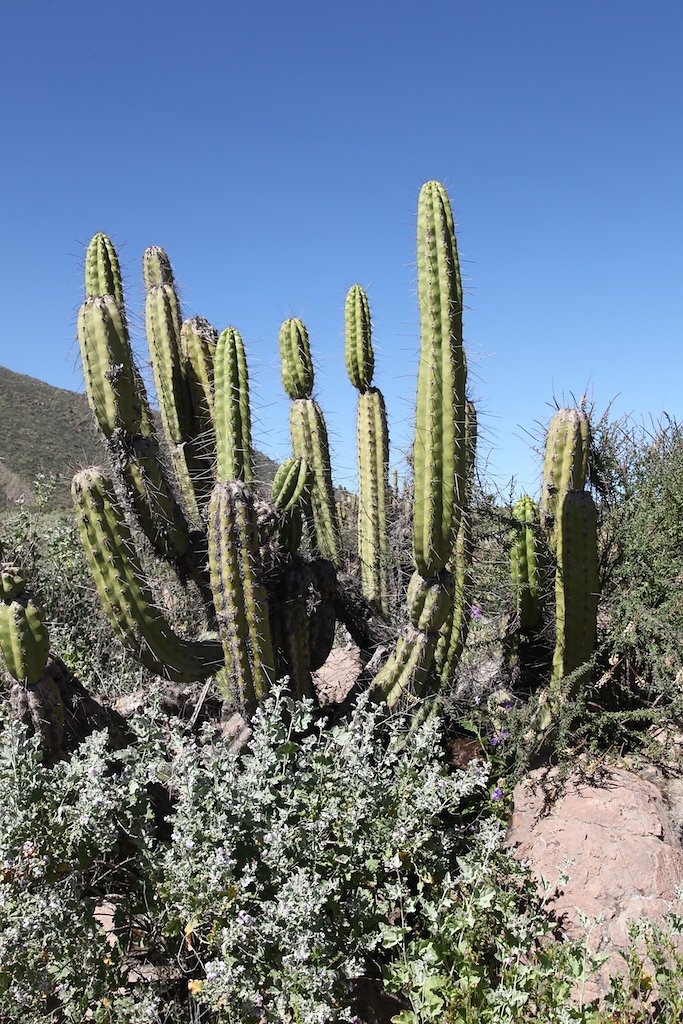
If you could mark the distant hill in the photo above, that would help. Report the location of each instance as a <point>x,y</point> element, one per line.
<point>44,429</point>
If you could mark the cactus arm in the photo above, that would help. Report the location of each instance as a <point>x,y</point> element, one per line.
<point>439,451</point>
<point>163,328</point>
<point>117,397</point>
<point>24,642</point>
<point>231,409</point>
<point>524,565</point>
<point>373,462</point>
<point>124,591</point>
<point>360,359</point>
<point>239,597</point>
<point>565,465</point>
<point>102,270</point>
<point>295,359</point>
<point>576,584</point>
<point>309,442</point>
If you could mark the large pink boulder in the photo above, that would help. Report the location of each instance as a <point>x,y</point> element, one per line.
<point>613,836</point>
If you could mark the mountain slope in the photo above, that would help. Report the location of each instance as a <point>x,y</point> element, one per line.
<point>44,429</point>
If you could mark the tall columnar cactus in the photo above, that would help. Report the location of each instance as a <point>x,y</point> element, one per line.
<point>309,436</point>
<point>453,632</point>
<point>373,452</point>
<point>116,395</point>
<point>525,565</point>
<point>163,326</point>
<point>124,590</point>
<point>239,595</point>
<point>439,449</point>
<point>576,584</point>
<point>439,452</point>
<point>565,466</point>
<point>232,413</point>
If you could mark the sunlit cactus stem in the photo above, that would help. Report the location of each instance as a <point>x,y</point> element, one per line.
<point>163,327</point>
<point>24,641</point>
<point>439,451</point>
<point>239,596</point>
<point>439,448</point>
<point>290,494</point>
<point>373,453</point>
<point>576,584</point>
<point>117,397</point>
<point>309,436</point>
<point>565,465</point>
<point>232,414</point>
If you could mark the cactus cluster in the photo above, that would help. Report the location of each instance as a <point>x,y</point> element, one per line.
<point>270,608</point>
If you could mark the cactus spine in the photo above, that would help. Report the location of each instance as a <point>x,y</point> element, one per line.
<point>565,465</point>
<point>309,436</point>
<point>373,452</point>
<point>576,584</point>
<point>439,453</point>
<point>525,565</point>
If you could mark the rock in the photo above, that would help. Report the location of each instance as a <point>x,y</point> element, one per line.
<point>615,839</point>
<point>336,677</point>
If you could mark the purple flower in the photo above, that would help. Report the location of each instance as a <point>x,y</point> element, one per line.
<point>475,612</point>
<point>495,740</point>
<point>497,794</point>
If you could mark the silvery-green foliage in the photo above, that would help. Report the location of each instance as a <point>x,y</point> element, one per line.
<point>267,889</point>
<point>287,883</point>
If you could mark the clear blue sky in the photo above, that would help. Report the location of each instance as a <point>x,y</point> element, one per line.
<point>277,150</point>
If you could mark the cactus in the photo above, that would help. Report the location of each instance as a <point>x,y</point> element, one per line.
<point>116,395</point>
<point>440,449</point>
<point>290,493</point>
<point>24,641</point>
<point>276,615</point>
<point>232,413</point>
<point>309,436</point>
<point>124,591</point>
<point>576,584</point>
<point>373,453</point>
<point>163,326</point>
<point>525,565</point>
<point>565,465</point>
<point>239,596</point>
